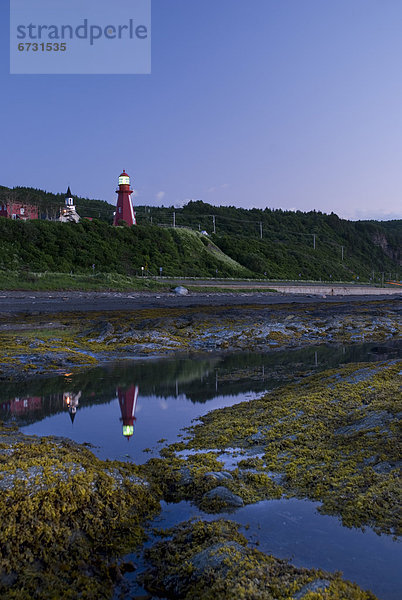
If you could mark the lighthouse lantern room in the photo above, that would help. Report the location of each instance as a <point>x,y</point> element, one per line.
<point>124,209</point>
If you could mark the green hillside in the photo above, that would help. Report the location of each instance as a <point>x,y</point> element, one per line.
<point>284,244</point>
<point>240,243</point>
<point>40,246</point>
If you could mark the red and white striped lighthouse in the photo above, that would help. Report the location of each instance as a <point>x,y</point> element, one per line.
<point>124,208</point>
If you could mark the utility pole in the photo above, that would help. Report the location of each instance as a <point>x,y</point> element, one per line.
<point>314,241</point>
<point>261,229</point>
<point>342,250</point>
<point>213,221</point>
<point>174,219</point>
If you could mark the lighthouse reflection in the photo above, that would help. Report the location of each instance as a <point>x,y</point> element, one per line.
<point>71,401</point>
<point>128,403</point>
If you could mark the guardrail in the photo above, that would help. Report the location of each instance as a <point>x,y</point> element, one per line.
<point>269,281</point>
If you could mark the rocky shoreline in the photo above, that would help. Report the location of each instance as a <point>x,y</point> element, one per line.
<point>68,517</point>
<point>32,345</point>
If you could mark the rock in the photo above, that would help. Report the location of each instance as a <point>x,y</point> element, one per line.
<point>225,496</point>
<point>259,436</point>
<point>100,331</point>
<point>218,475</point>
<point>215,558</point>
<point>180,291</point>
<point>8,579</point>
<point>183,323</point>
<point>127,567</point>
<point>385,467</point>
<point>371,421</point>
<point>318,585</point>
<point>115,573</point>
<point>185,476</point>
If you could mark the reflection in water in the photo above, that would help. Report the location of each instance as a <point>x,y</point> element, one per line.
<point>174,392</point>
<point>128,403</point>
<point>196,380</point>
<point>18,406</point>
<point>71,401</point>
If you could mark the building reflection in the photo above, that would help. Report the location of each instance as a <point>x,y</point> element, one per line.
<point>71,401</point>
<point>19,406</point>
<point>128,403</point>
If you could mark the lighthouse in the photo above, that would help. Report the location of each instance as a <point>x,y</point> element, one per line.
<point>124,208</point>
<point>128,404</point>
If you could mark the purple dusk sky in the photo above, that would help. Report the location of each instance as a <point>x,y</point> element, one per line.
<point>293,104</point>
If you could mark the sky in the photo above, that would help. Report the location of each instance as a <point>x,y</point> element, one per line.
<point>292,104</point>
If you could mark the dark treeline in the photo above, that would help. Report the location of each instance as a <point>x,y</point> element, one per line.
<point>288,244</point>
<point>266,243</point>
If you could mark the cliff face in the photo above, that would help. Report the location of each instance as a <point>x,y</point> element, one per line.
<point>392,251</point>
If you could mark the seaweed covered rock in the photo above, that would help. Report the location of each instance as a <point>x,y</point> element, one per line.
<point>65,516</point>
<point>221,498</point>
<point>200,477</point>
<point>213,561</point>
<point>333,437</point>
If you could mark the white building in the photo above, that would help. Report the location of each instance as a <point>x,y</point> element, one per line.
<point>68,214</point>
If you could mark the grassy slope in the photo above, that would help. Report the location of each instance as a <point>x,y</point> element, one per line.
<point>42,255</point>
<point>236,250</point>
<point>194,244</point>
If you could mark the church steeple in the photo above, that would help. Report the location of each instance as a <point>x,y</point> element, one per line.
<point>69,199</point>
<point>72,401</point>
<point>68,214</point>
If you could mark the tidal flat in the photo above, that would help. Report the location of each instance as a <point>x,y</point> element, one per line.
<point>35,344</point>
<point>305,418</point>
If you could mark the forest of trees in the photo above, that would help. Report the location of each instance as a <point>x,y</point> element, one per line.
<point>265,243</point>
<point>287,244</point>
<point>88,246</point>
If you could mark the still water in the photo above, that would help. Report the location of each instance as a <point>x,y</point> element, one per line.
<point>129,410</point>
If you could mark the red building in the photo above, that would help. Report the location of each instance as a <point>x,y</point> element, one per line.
<point>18,406</point>
<point>128,404</point>
<point>18,210</point>
<point>124,208</point>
